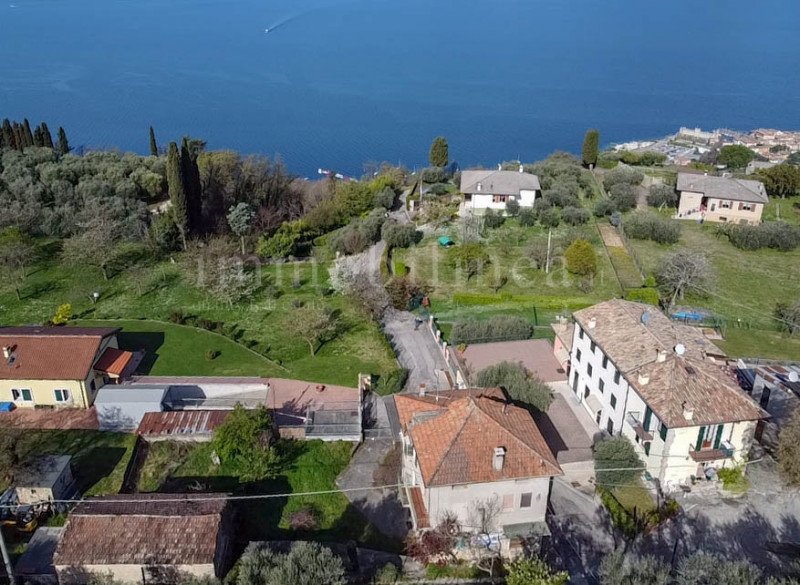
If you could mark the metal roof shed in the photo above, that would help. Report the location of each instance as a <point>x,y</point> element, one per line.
<point>122,407</point>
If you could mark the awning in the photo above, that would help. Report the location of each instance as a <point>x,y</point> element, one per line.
<point>594,403</point>
<point>526,530</point>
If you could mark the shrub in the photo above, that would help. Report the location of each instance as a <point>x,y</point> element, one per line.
<point>662,195</point>
<point>433,175</point>
<point>518,383</point>
<point>649,226</point>
<point>512,207</point>
<point>492,220</point>
<point>534,571</point>
<point>401,289</point>
<point>399,235</point>
<point>575,215</point>
<point>549,217</point>
<point>778,235</point>
<point>623,195</point>
<point>604,208</point>
<point>389,574</point>
<point>212,354</point>
<point>392,382</point>
<point>306,563</point>
<point>63,314</point>
<point>305,519</point>
<point>616,453</point>
<point>284,242</point>
<point>500,328</point>
<point>733,479</point>
<point>385,198</point>
<point>622,174</point>
<point>581,258</point>
<point>349,240</point>
<point>527,217</point>
<point>643,295</point>
<point>472,258</point>
<point>178,317</point>
<point>429,545</point>
<point>438,189</point>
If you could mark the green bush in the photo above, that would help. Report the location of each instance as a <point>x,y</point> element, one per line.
<point>400,268</point>
<point>620,517</point>
<point>643,295</point>
<point>776,234</point>
<point>622,174</point>
<point>527,217</point>
<point>550,217</point>
<point>616,453</point>
<point>391,382</point>
<point>452,571</point>
<point>649,226</point>
<point>500,328</point>
<point>604,208</point>
<point>662,195</point>
<point>433,175</point>
<point>399,235</point>
<point>733,479</point>
<point>581,258</point>
<point>518,384</point>
<point>575,215</point>
<point>493,219</point>
<point>512,207</point>
<point>438,189</point>
<point>623,195</point>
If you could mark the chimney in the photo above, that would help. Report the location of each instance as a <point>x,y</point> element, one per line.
<point>644,379</point>
<point>422,390</point>
<point>479,186</point>
<point>688,411</point>
<point>499,458</point>
<point>662,356</point>
<point>592,323</point>
<point>6,351</point>
<point>521,168</point>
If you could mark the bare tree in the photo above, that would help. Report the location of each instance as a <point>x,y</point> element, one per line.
<point>684,271</point>
<point>95,245</point>
<point>483,514</point>
<point>314,324</point>
<point>17,250</point>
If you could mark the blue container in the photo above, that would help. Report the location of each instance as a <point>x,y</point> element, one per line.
<point>6,406</point>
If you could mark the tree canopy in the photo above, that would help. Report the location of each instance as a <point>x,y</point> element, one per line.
<point>306,563</point>
<point>439,154</point>
<point>591,147</point>
<point>618,455</point>
<point>735,156</point>
<point>682,272</point>
<point>245,442</point>
<point>518,384</point>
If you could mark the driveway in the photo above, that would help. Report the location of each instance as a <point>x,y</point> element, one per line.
<point>415,347</point>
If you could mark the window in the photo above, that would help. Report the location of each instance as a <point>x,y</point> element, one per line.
<point>580,333</point>
<point>605,362</point>
<point>22,394</point>
<point>508,501</point>
<point>613,401</point>
<point>662,432</point>
<point>575,382</point>
<point>525,500</point>
<point>93,386</point>
<point>578,355</point>
<point>602,386</point>
<point>746,206</point>
<point>62,395</point>
<point>610,427</point>
<point>593,346</point>
<point>648,416</point>
<point>500,198</point>
<point>723,219</point>
<point>724,204</point>
<point>589,370</point>
<point>616,376</point>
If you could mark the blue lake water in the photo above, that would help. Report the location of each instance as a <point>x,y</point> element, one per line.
<point>337,82</point>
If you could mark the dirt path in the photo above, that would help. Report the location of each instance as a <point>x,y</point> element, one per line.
<point>611,237</point>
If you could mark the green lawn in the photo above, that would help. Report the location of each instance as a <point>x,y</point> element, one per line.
<point>155,290</point>
<point>308,466</point>
<point>99,458</point>
<point>634,496</point>
<point>787,210</point>
<point>746,287</point>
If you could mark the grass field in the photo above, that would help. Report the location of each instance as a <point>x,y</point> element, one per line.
<point>787,210</point>
<point>634,496</point>
<point>99,458</point>
<point>156,290</point>
<point>308,466</point>
<point>746,287</point>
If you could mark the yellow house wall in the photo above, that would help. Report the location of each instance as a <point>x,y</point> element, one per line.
<point>42,392</point>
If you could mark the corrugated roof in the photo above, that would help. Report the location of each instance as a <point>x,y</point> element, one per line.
<point>498,182</point>
<point>455,441</point>
<point>723,187</point>
<point>181,423</point>
<point>51,353</point>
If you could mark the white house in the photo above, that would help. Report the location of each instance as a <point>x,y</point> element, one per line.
<point>484,190</point>
<point>470,451</point>
<point>664,386</point>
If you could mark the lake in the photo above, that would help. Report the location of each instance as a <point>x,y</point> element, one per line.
<point>336,83</point>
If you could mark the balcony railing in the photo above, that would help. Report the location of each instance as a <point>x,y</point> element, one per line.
<point>705,455</point>
<point>638,428</point>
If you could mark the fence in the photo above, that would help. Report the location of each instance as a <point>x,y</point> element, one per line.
<point>457,376</point>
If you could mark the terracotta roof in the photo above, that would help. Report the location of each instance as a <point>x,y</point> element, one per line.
<point>630,339</point>
<point>107,531</point>
<point>418,504</point>
<point>455,440</point>
<point>535,355</point>
<point>181,423</point>
<point>113,361</point>
<point>50,353</point>
<point>707,392</point>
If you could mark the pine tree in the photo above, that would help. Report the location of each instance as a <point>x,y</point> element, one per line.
<point>63,143</point>
<point>439,154</point>
<point>47,138</point>
<point>190,173</point>
<point>28,134</point>
<point>19,137</point>
<point>153,143</point>
<point>591,147</point>
<point>177,192</point>
<point>7,134</point>
<point>37,136</point>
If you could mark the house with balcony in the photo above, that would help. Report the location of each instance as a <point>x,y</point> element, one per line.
<point>49,367</point>
<point>473,456</point>
<point>484,190</point>
<point>663,385</point>
<point>720,199</point>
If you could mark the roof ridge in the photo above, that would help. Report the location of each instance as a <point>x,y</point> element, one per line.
<point>472,405</point>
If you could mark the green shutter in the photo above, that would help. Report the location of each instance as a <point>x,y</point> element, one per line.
<point>648,415</point>
<point>700,434</point>
<point>647,448</point>
<point>663,432</point>
<point>718,438</point>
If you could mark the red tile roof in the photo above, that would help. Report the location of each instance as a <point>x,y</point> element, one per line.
<point>116,531</point>
<point>455,438</point>
<point>181,423</point>
<point>50,353</point>
<point>113,361</point>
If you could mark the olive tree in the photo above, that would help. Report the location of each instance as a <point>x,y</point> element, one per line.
<point>683,271</point>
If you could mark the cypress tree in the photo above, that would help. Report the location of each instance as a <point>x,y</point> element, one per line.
<point>37,136</point>
<point>177,192</point>
<point>190,174</point>
<point>153,143</point>
<point>591,147</point>
<point>63,143</point>
<point>47,138</point>
<point>439,154</point>
<point>7,134</point>
<point>28,134</point>
<point>19,138</point>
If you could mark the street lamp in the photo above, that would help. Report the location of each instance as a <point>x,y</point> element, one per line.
<point>95,296</point>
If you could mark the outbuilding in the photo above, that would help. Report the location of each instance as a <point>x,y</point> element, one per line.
<point>45,479</point>
<point>122,407</point>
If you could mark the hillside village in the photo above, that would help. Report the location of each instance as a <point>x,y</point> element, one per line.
<point>583,369</point>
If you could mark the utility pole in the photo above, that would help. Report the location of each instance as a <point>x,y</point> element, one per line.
<point>547,263</point>
<point>6,558</point>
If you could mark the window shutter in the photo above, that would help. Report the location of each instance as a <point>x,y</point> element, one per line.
<point>647,449</point>
<point>663,432</point>
<point>718,438</point>
<point>700,434</point>
<point>740,205</point>
<point>648,415</point>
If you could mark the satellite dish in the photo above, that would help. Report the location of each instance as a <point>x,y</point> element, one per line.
<point>680,349</point>
<point>645,318</point>
<point>794,376</point>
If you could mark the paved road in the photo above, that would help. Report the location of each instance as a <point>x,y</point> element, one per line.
<point>415,347</point>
